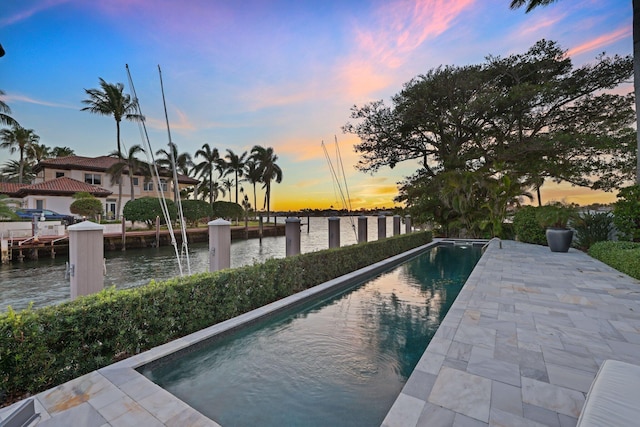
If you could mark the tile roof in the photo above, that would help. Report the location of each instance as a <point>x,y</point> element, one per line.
<point>96,164</point>
<point>11,188</point>
<point>63,186</point>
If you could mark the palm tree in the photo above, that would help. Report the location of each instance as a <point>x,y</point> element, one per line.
<point>183,164</point>
<point>11,171</point>
<point>269,171</point>
<point>110,100</point>
<point>5,118</point>
<point>206,168</point>
<point>226,186</point>
<point>532,4</point>
<point>254,176</point>
<point>38,152</point>
<point>5,210</point>
<point>129,165</point>
<point>21,140</point>
<point>235,165</point>
<point>62,152</point>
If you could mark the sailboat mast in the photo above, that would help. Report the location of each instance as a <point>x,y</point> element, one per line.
<point>175,178</point>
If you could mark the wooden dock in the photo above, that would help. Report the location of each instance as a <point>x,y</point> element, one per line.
<point>19,249</point>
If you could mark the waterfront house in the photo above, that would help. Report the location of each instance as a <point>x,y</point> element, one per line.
<point>55,194</point>
<point>93,171</point>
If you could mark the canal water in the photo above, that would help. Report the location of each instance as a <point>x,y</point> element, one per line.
<point>42,282</point>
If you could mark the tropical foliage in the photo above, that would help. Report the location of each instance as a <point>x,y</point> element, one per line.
<point>530,117</point>
<point>146,209</point>
<point>196,210</point>
<point>6,212</point>
<point>110,100</point>
<point>20,140</point>
<point>626,213</point>
<point>86,205</point>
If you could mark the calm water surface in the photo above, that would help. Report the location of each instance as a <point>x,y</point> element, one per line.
<point>341,361</point>
<point>42,282</point>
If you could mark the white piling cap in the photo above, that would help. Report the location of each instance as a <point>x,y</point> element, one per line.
<point>219,221</point>
<point>86,226</point>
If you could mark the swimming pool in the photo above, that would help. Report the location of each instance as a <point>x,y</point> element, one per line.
<point>339,360</point>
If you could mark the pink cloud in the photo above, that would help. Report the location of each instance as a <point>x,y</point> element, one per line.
<point>9,98</point>
<point>601,41</point>
<point>385,45</point>
<point>402,26</point>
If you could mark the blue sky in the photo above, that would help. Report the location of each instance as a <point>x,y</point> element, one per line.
<point>275,73</point>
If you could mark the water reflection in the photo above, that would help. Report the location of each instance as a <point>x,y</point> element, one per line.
<point>338,361</point>
<point>42,282</point>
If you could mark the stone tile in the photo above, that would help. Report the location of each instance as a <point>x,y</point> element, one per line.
<point>163,405</point>
<point>495,369</point>
<point>73,393</point>
<point>506,397</point>
<point>419,385</point>
<point>405,411</point>
<point>464,421</point>
<point>430,362</point>
<point>552,397</point>
<point>80,415</point>
<point>192,418</point>
<point>541,415</point>
<point>462,392</point>
<point>475,335</point>
<point>567,421</point>
<point>574,379</point>
<point>435,416</point>
<point>139,387</point>
<point>500,418</point>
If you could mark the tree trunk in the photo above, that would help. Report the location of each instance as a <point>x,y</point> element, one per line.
<point>636,78</point>
<point>119,204</point>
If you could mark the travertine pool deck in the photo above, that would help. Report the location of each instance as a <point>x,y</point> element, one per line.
<point>519,347</point>
<point>523,341</point>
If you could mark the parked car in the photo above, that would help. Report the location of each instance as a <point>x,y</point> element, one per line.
<point>29,214</point>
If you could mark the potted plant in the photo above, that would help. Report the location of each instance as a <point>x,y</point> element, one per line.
<point>555,218</point>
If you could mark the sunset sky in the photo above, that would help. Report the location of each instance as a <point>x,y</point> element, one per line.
<point>280,73</point>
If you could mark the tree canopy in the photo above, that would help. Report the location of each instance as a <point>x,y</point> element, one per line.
<point>529,116</point>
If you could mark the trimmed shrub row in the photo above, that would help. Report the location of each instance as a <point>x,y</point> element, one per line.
<point>623,256</point>
<point>42,348</point>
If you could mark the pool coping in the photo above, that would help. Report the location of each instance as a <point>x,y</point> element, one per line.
<point>119,393</point>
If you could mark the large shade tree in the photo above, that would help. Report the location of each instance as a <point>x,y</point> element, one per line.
<point>110,100</point>
<point>527,116</point>
<point>266,159</point>
<point>532,4</point>
<point>21,140</point>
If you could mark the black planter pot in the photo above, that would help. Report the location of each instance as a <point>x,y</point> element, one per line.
<point>559,239</point>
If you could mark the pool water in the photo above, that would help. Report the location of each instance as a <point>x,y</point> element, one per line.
<point>340,361</point>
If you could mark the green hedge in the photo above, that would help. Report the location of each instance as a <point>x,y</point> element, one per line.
<point>45,347</point>
<point>527,227</point>
<point>623,256</point>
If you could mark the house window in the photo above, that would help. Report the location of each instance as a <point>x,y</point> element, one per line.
<point>40,204</point>
<point>148,186</point>
<point>163,183</point>
<point>135,181</point>
<point>92,178</point>
<point>59,174</point>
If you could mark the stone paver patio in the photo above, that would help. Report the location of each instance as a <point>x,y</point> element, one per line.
<point>519,347</point>
<point>523,341</point>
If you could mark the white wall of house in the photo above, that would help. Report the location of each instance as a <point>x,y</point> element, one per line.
<point>59,204</point>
